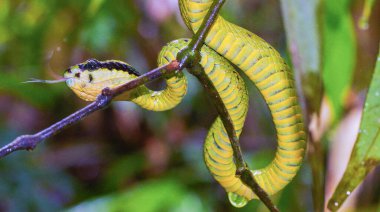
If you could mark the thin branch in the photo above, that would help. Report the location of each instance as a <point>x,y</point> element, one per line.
<point>29,142</point>
<point>208,21</point>
<point>189,58</point>
<point>242,169</point>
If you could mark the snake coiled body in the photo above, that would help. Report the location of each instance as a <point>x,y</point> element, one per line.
<point>268,71</point>
<point>257,59</point>
<point>89,78</point>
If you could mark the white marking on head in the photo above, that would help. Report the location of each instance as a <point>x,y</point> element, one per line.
<point>70,82</point>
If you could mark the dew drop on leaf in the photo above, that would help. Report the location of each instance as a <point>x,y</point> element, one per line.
<point>237,200</point>
<point>363,24</point>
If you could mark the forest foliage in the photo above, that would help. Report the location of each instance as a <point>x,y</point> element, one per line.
<point>125,157</point>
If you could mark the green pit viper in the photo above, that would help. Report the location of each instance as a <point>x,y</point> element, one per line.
<point>225,43</point>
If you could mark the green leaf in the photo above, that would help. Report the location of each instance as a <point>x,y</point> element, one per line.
<point>303,36</point>
<point>366,153</point>
<point>363,22</point>
<point>302,25</point>
<point>159,195</point>
<point>121,170</point>
<point>94,7</point>
<point>339,53</point>
<point>39,95</point>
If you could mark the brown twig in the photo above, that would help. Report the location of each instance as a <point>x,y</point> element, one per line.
<point>29,142</point>
<point>242,169</point>
<point>186,58</point>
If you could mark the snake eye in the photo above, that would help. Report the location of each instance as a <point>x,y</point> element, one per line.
<point>77,75</point>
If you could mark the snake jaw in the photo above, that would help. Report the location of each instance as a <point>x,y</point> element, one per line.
<point>88,79</point>
<point>77,81</point>
<point>73,76</point>
<point>70,82</point>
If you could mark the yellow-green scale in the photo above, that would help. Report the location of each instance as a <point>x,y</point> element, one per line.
<point>267,70</point>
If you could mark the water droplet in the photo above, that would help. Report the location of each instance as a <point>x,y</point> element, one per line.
<point>237,200</point>
<point>348,193</point>
<point>363,24</point>
<point>256,172</point>
<point>336,203</point>
<point>155,93</point>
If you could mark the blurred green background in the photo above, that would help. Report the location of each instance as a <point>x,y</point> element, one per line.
<point>125,157</point>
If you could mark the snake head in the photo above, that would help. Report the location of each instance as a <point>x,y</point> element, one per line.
<point>79,81</point>
<point>88,79</point>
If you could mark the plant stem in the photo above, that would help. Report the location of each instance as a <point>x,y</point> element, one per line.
<point>200,36</point>
<point>242,169</point>
<point>190,56</point>
<point>29,142</point>
<point>317,163</point>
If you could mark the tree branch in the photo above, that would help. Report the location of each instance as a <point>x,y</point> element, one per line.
<point>29,142</point>
<point>208,21</point>
<point>187,58</point>
<point>242,169</point>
